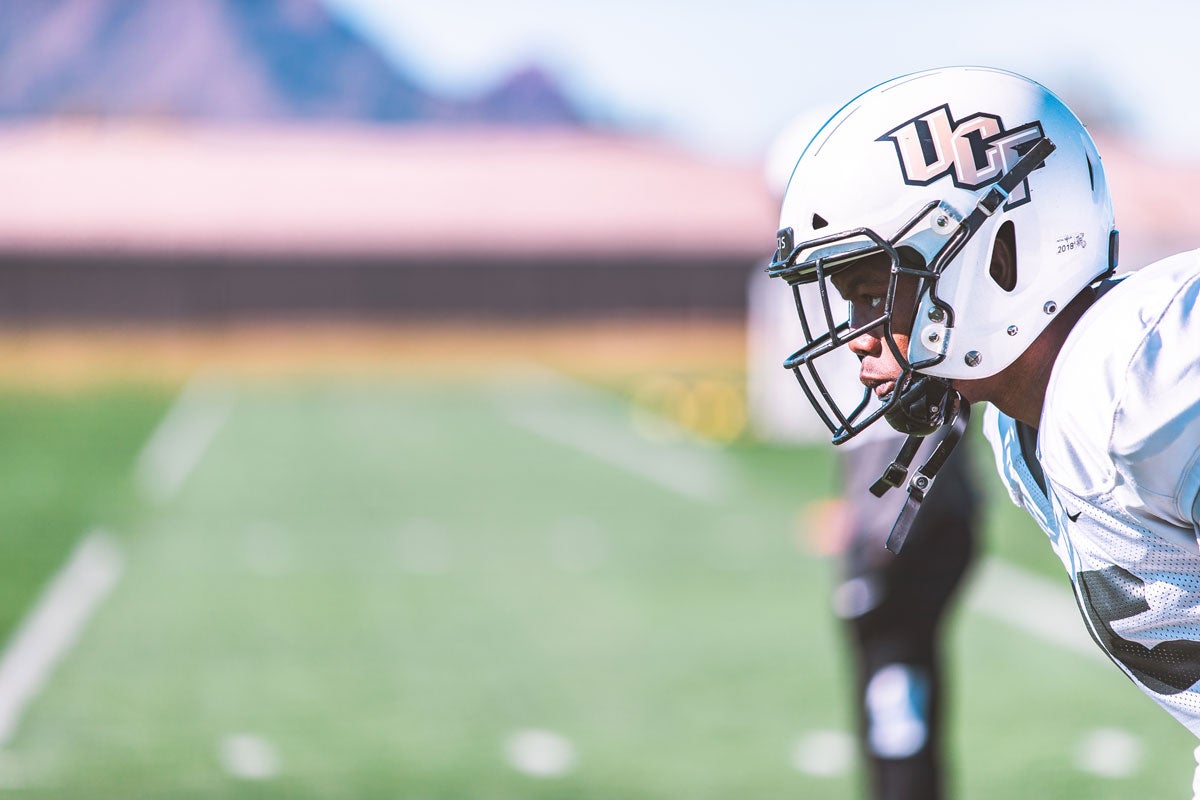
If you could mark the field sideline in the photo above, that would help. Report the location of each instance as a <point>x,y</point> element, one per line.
<point>395,569</point>
<point>67,358</point>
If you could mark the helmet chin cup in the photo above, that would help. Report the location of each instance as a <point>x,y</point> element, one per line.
<point>921,407</point>
<point>957,417</point>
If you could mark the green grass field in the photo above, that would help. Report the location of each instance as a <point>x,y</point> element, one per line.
<point>366,589</point>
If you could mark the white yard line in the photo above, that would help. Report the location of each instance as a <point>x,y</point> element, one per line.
<point>54,624</point>
<point>574,414</point>
<point>540,753</point>
<point>1110,753</point>
<point>682,473</point>
<point>1038,606</point>
<point>56,621</point>
<point>249,756</point>
<point>824,753</point>
<point>182,438</point>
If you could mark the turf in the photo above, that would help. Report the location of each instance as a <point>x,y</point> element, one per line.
<point>65,463</point>
<point>385,579</point>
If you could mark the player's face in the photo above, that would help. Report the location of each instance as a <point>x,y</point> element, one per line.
<point>865,285</point>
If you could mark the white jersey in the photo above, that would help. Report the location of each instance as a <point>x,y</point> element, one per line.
<point>1119,448</point>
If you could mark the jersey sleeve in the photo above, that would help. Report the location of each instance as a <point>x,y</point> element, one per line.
<point>1155,441</point>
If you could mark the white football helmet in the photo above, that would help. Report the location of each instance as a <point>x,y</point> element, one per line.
<point>931,169</point>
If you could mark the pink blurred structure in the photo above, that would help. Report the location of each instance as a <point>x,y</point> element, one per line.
<point>348,190</point>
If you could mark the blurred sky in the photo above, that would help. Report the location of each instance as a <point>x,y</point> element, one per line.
<point>726,77</point>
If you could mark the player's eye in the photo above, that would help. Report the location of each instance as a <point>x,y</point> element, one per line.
<point>865,307</point>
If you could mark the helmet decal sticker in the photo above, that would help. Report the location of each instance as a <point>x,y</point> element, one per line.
<point>1065,244</point>
<point>974,151</point>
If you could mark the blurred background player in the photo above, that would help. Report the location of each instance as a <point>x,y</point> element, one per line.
<point>892,608</point>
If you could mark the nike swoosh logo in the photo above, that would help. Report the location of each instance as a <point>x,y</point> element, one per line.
<point>1074,516</point>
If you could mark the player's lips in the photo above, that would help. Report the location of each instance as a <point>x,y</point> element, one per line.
<point>882,387</point>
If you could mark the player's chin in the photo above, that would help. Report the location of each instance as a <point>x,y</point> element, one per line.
<point>970,390</point>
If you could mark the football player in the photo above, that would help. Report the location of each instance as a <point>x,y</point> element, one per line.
<point>963,215</point>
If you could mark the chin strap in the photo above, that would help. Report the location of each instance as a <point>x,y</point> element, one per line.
<point>958,415</point>
<point>897,471</point>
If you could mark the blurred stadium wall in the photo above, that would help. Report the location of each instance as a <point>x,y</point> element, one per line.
<point>220,159</point>
<point>119,221</point>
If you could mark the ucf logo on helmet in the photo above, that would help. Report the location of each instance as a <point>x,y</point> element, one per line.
<point>973,151</point>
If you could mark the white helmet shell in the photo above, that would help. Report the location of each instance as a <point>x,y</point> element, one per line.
<point>944,136</point>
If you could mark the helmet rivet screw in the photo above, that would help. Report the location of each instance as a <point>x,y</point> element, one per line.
<point>921,482</point>
<point>933,336</point>
<point>941,221</point>
<point>936,314</point>
<point>973,358</point>
<point>1050,307</point>
<point>1012,330</point>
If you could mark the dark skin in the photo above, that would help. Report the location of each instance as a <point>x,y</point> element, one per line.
<point>1018,390</point>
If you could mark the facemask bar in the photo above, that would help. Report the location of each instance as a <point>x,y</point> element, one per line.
<point>804,365</point>
<point>845,424</point>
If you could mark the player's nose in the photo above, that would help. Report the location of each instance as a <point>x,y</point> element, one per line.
<point>866,344</point>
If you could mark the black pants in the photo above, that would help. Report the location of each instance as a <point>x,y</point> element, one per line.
<point>893,608</point>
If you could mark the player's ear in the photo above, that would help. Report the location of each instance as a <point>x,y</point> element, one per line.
<point>1003,268</point>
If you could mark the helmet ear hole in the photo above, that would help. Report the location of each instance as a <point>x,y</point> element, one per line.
<point>1003,268</point>
<point>819,222</point>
